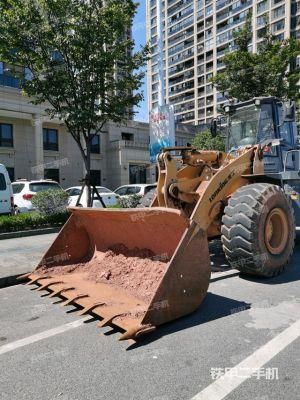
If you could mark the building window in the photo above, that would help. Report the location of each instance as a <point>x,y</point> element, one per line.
<point>6,76</point>
<point>278,26</point>
<point>11,173</point>
<point>95,177</point>
<point>127,136</point>
<point>50,139</point>
<point>52,174</point>
<point>6,135</point>
<point>262,6</point>
<point>95,144</point>
<point>279,12</point>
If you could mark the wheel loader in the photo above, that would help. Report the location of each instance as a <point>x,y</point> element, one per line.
<point>136,269</point>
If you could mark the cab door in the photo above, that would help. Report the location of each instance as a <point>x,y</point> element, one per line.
<point>287,136</point>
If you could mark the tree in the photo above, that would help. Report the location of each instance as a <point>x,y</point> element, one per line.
<point>81,60</point>
<point>205,141</point>
<point>265,73</point>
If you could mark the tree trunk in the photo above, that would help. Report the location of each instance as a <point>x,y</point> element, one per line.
<point>88,172</point>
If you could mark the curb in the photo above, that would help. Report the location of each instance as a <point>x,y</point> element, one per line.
<point>32,232</point>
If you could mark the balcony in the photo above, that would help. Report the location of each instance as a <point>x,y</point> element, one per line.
<point>133,144</point>
<point>222,3</point>
<point>181,98</point>
<point>181,25</point>
<point>181,56</point>
<point>180,67</point>
<point>181,3</point>
<point>184,107</point>
<point>228,12</point>
<point>185,117</point>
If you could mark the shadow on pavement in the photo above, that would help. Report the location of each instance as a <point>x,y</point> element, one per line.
<point>213,307</point>
<point>217,257</point>
<point>290,274</point>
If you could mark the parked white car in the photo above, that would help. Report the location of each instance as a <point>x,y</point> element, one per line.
<point>24,191</point>
<point>6,194</point>
<point>139,189</point>
<point>109,198</point>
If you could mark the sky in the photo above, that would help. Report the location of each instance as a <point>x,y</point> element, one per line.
<point>139,35</point>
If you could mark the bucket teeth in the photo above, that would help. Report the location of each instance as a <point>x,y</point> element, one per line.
<point>90,308</point>
<point>77,297</point>
<point>60,291</point>
<point>108,320</point>
<point>46,285</point>
<point>35,280</point>
<point>137,331</point>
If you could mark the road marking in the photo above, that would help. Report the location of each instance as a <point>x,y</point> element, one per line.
<point>224,385</point>
<point>40,336</point>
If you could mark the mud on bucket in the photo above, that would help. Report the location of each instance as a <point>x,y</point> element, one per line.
<point>134,268</point>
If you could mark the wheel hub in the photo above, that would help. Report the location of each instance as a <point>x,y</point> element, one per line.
<point>276,231</point>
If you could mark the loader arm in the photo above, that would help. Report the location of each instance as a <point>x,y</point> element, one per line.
<point>225,182</point>
<point>186,281</point>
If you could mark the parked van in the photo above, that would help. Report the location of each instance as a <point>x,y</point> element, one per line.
<point>6,193</point>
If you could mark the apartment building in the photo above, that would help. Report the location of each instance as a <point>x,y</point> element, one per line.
<point>33,146</point>
<point>197,34</point>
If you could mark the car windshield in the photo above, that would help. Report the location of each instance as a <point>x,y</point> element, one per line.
<point>17,187</point>
<point>39,186</point>
<point>243,126</point>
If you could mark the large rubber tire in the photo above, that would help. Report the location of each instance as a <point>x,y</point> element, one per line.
<point>258,230</point>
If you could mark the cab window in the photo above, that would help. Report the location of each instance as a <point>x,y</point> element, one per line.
<point>266,123</point>
<point>286,133</point>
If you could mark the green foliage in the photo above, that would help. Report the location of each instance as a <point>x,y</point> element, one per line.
<point>205,141</point>
<point>32,220</point>
<point>50,201</point>
<point>81,59</point>
<point>129,201</point>
<point>114,206</point>
<point>264,73</point>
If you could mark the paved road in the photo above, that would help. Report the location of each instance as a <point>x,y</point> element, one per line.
<point>79,361</point>
<point>21,255</point>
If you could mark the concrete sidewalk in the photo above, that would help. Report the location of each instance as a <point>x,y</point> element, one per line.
<point>21,255</point>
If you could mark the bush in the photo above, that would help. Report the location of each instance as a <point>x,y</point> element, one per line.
<point>51,201</point>
<point>129,202</point>
<point>31,220</point>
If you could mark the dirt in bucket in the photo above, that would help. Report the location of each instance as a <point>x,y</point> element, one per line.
<point>138,271</point>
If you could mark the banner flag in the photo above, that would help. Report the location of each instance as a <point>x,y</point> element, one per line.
<point>162,130</point>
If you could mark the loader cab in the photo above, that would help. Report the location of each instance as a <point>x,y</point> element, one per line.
<point>260,120</point>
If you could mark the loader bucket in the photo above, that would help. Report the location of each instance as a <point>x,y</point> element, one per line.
<point>134,268</point>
